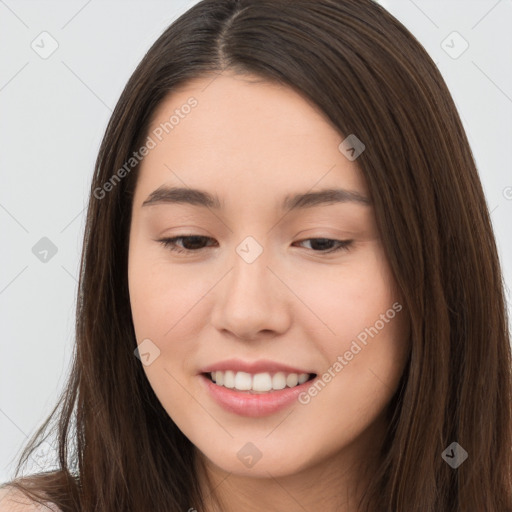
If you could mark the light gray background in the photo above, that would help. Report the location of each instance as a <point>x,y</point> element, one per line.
<point>53,115</point>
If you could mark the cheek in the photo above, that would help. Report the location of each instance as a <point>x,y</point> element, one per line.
<point>166,303</point>
<point>366,350</point>
<point>161,294</point>
<point>351,298</point>
<point>367,356</point>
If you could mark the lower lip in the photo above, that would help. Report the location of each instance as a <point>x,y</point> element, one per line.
<point>254,405</point>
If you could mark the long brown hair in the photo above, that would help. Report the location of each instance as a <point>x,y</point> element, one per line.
<point>118,448</point>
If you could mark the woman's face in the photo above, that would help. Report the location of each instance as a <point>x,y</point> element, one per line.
<point>262,290</point>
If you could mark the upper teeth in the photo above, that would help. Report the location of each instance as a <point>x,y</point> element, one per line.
<point>244,381</point>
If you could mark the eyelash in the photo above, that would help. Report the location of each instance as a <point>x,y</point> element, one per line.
<point>170,243</point>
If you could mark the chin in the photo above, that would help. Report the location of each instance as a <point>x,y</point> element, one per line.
<point>258,463</point>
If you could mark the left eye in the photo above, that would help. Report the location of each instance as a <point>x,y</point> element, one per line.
<point>322,242</point>
<point>196,240</point>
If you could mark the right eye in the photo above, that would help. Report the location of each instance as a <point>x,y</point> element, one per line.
<point>190,240</point>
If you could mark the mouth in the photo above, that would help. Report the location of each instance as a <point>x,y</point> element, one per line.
<point>257,383</point>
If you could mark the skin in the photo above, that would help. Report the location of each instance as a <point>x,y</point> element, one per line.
<point>253,142</point>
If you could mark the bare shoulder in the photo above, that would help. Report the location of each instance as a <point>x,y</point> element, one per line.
<point>13,500</point>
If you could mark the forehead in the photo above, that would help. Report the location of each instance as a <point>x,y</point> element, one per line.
<point>244,136</point>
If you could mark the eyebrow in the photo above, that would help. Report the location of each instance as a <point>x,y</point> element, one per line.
<point>173,195</point>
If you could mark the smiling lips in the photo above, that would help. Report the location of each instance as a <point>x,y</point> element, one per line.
<point>254,389</point>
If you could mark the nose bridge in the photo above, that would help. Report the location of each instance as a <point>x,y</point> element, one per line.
<point>248,301</point>
<point>250,273</point>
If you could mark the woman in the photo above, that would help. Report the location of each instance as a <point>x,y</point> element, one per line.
<point>290,295</point>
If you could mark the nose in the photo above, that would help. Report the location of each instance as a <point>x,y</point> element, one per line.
<point>252,302</point>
